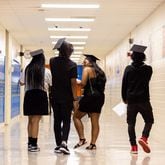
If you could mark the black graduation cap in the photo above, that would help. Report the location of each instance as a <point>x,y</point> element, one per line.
<point>138,48</point>
<point>21,54</point>
<point>92,57</point>
<point>36,52</point>
<point>59,43</point>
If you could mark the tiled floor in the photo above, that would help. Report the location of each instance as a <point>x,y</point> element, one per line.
<point>112,145</point>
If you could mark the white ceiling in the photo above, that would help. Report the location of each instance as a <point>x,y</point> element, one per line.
<point>25,20</point>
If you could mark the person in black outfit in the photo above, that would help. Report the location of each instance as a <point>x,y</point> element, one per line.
<point>64,74</point>
<point>93,83</point>
<point>135,93</point>
<point>36,78</point>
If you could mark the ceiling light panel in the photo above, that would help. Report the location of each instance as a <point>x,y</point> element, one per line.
<point>78,48</point>
<point>78,52</point>
<point>77,56</point>
<point>74,43</point>
<point>70,37</point>
<point>74,58</point>
<point>68,29</point>
<point>70,19</point>
<point>71,6</point>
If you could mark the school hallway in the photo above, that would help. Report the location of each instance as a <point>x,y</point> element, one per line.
<point>112,145</point>
<point>106,29</point>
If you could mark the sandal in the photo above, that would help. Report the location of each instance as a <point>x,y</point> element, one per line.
<point>80,143</point>
<point>91,147</point>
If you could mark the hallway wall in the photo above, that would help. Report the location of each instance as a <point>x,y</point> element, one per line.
<point>10,60</point>
<point>151,33</point>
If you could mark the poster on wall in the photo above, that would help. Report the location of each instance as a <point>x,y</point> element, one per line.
<point>15,89</point>
<point>2,88</point>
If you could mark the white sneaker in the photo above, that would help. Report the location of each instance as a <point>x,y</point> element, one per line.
<point>34,149</point>
<point>64,149</point>
<point>57,149</point>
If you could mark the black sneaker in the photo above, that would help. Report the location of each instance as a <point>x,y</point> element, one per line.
<point>57,149</point>
<point>34,149</point>
<point>64,149</point>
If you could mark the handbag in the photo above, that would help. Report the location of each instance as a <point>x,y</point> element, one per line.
<point>94,92</point>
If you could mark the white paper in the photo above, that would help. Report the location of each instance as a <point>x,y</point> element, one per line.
<point>120,109</point>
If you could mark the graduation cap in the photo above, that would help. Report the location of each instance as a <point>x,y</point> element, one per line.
<point>36,52</point>
<point>59,43</point>
<point>138,48</point>
<point>92,57</point>
<point>21,54</point>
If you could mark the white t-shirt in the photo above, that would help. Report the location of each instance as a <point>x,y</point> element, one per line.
<point>47,79</point>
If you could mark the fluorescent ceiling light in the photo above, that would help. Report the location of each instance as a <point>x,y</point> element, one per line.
<point>78,48</point>
<point>74,43</point>
<point>76,61</point>
<point>69,29</point>
<point>77,56</point>
<point>78,52</point>
<point>70,19</point>
<point>75,48</point>
<point>70,37</point>
<point>71,6</point>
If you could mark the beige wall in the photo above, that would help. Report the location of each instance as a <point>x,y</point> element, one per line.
<point>2,41</point>
<point>151,33</point>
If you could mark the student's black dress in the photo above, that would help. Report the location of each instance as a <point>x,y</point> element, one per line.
<point>35,102</point>
<point>91,103</point>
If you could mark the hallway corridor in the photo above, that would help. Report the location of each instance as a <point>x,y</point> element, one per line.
<point>112,145</point>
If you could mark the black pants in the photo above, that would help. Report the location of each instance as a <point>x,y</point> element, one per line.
<point>62,120</point>
<point>145,110</point>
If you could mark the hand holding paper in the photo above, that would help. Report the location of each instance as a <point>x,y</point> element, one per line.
<point>120,109</point>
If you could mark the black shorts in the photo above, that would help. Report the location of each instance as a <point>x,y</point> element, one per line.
<point>35,102</point>
<point>144,109</point>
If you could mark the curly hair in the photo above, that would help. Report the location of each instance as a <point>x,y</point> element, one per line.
<point>138,57</point>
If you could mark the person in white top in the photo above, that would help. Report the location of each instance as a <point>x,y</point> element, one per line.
<point>36,79</point>
<point>47,79</point>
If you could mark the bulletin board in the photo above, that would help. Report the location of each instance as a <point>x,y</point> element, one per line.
<point>15,89</point>
<point>2,88</point>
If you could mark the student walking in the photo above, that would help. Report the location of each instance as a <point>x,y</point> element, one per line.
<point>93,83</point>
<point>35,78</point>
<point>135,93</point>
<point>64,93</point>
